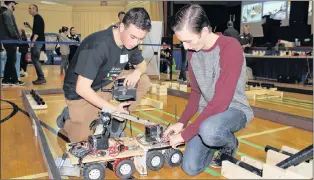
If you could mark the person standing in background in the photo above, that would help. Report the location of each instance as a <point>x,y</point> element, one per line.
<point>64,49</point>
<point>38,34</point>
<point>182,76</point>
<point>73,36</point>
<point>246,39</point>
<point>120,16</point>
<point>231,32</point>
<point>9,31</point>
<point>23,49</point>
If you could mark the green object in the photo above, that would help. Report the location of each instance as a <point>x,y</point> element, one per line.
<point>173,65</point>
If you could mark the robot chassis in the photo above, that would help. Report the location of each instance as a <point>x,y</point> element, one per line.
<point>124,155</point>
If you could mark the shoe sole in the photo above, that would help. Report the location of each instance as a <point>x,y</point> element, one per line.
<point>39,84</point>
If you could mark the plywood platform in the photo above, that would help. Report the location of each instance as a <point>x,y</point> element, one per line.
<point>107,158</point>
<point>21,156</point>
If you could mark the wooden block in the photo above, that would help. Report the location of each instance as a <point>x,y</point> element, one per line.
<point>162,94</point>
<point>167,84</point>
<point>289,149</point>
<point>252,162</point>
<point>276,93</point>
<point>152,102</point>
<point>233,171</point>
<point>183,87</point>
<point>274,172</point>
<point>153,90</point>
<point>33,103</point>
<point>267,97</point>
<point>273,157</point>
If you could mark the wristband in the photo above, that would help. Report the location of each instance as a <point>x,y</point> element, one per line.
<point>106,110</point>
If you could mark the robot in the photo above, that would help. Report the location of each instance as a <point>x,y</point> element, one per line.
<point>124,155</point>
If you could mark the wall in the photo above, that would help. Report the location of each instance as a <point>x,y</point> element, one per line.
<point>55,16</point>
<point>94,18</point>
<point>87,17</point>
<point>154,8</point>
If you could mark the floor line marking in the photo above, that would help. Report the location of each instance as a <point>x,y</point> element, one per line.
<point>264,132</point>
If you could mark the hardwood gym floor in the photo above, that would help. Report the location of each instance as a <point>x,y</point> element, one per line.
<point>21,155</point>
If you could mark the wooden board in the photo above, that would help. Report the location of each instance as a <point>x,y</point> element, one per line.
<point>33,103</point>
<point>128,153</point>
<point>263,94</point>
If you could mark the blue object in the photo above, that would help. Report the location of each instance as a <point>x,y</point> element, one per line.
<point>3,59</point>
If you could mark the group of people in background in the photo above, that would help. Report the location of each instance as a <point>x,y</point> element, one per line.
<point>66,51</point>
<point>9,31</point>
<point>245,39</point>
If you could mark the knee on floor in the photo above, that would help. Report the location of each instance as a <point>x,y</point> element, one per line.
<point>190,168</point>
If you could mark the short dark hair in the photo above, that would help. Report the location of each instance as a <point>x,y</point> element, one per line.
<point>138,17</point>
<point>64,29</point>
<point>192,15</point>
<point>121,12</point>
<point>8,2</point>
<point>36,7</point>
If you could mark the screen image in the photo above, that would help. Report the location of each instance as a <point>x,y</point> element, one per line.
<point>276,9</point>
<point>252,13</point>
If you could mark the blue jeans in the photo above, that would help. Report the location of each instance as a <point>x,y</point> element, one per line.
<point>215,133</point>
<point>35,55</point>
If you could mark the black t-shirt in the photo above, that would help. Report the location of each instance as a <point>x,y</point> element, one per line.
<point>38,28</point>
<point>245,39</point>
<point>100,59</point>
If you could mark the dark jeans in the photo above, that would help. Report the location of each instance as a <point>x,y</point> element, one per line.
<point>9,74</point>
<point>214,133</point>
<point>183,65</point>
<point>23,62</point>
<point>35,55</point>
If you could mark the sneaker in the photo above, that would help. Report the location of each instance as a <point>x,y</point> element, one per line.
<point>39,82</point>
<point>63,117</point>
<point>20,83</point>
<point>6,83</point>
<point>217,161</point>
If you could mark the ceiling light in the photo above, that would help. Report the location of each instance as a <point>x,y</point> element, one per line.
<point>48,2</point>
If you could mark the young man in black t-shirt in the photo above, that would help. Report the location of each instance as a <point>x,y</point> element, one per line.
<point>99,60</point>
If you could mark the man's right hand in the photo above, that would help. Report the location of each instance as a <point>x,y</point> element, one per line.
<point>173,129</point>
<point>121,108</point>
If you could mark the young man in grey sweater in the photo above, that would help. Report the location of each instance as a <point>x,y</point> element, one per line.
<point>217,71</point>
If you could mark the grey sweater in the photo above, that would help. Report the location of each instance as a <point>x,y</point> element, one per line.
<point>218,78</point>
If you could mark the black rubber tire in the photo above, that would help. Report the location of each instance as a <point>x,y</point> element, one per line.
<point>150,156</point>
<point>168,157</point>
<point>120,164</point>
<point>93,166</point>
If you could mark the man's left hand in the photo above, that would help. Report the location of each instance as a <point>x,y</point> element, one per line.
<point>176,140</point>
<point>132,79</point>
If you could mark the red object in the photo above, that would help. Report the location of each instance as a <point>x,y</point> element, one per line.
<point>115,164</point>
<point>28,57</point>
<point>231,61</point>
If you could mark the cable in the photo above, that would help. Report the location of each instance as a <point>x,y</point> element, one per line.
<point>131,128</point>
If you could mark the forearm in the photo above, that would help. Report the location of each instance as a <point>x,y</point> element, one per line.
<point>35,37</point>
<point>91,96</point>
<point>142,67</point>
